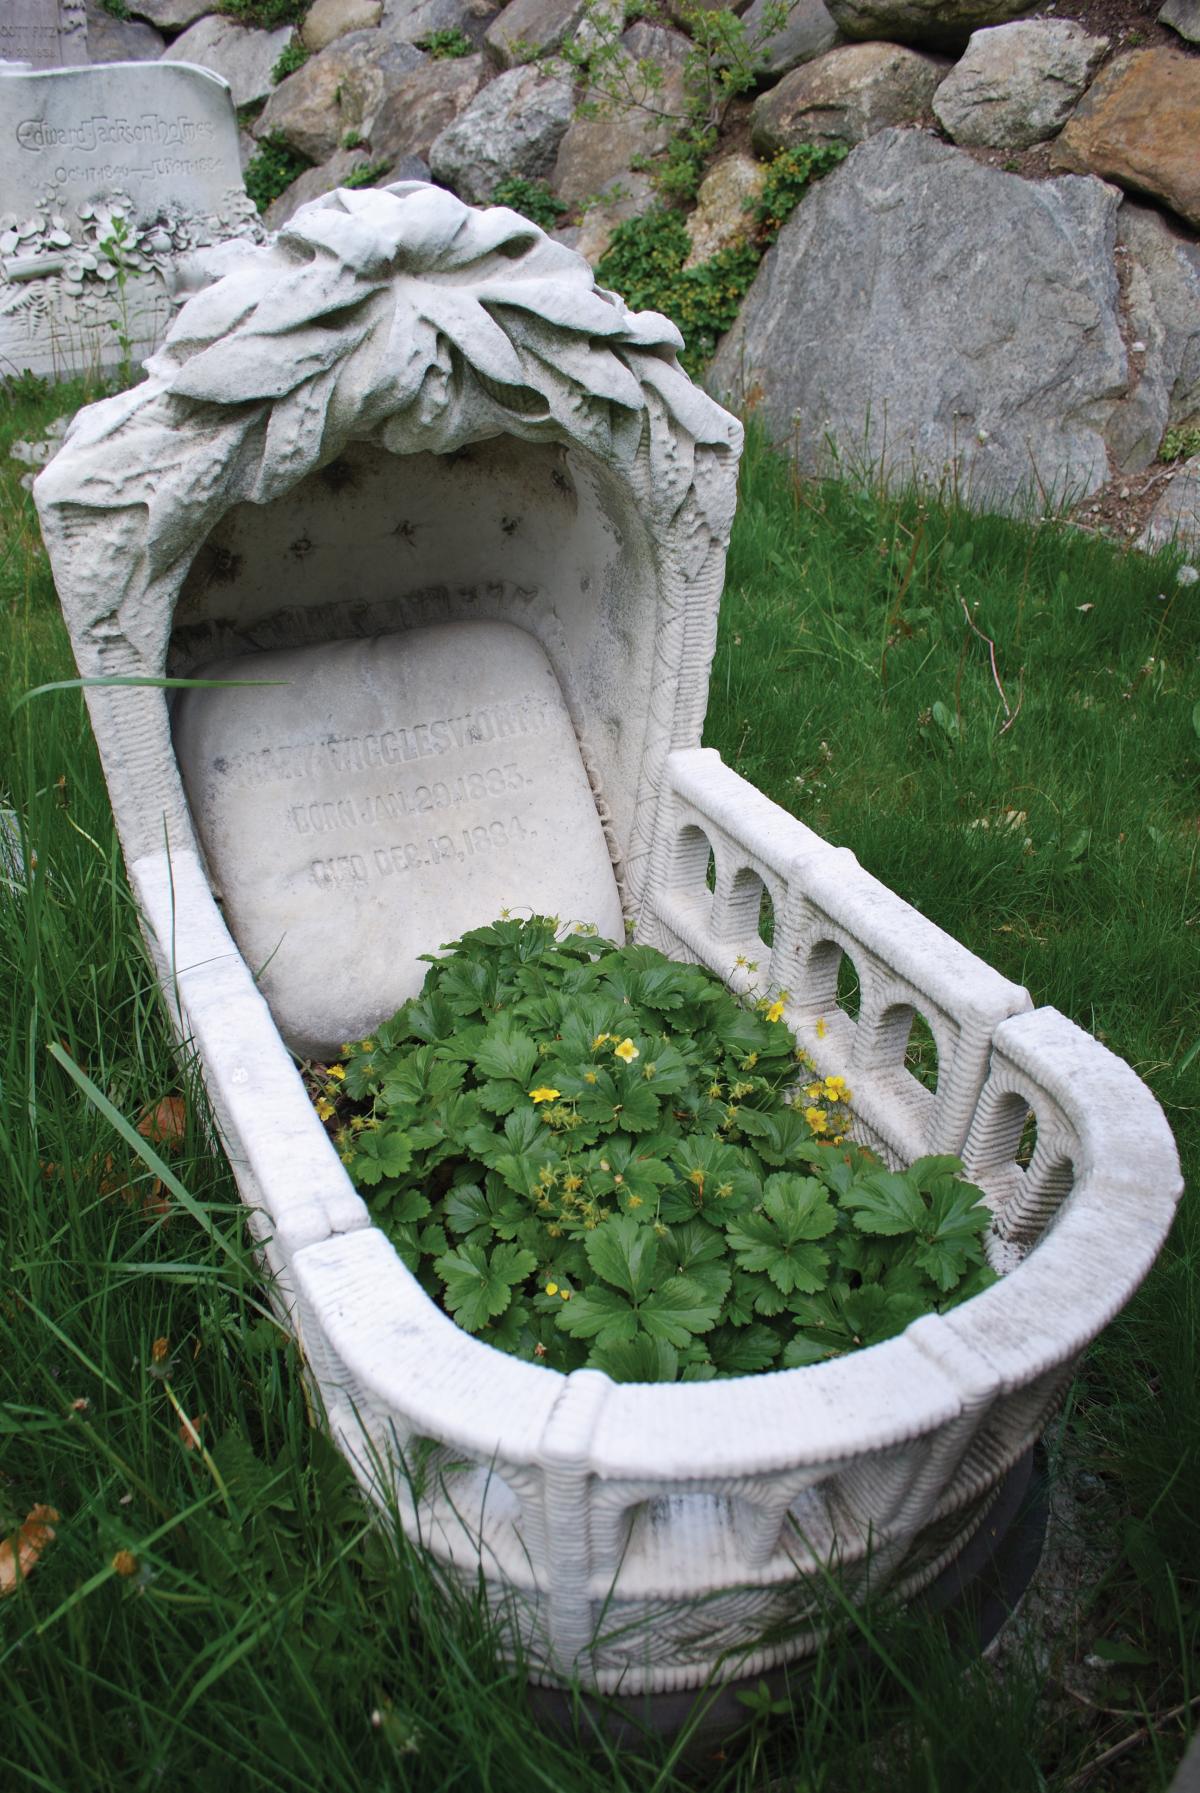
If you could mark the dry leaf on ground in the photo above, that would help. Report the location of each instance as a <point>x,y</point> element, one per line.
<point>20,1551</point>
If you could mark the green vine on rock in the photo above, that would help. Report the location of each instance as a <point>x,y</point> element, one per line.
<point>593,1155</point>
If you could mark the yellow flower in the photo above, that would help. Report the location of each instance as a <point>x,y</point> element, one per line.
<point>125,1563</point>
<point>775,1012</point>
<point>338,1071</point>
<point>589,1077</point>
<point>572,1183</point>
<point>812,1091</point>
<point>835,1089</point>
<point>816,1118</point>
<point>565,1294</point>
<point>368,1045</point>
<point>627,1051</point>
<point>543,1094</point>
<point>552,1288</point>
<point>324,1108</point>
<point>822,1027</point>
<point>635,1201</point>
<point>601,1039</point>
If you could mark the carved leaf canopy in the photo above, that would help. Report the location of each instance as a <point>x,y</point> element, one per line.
<point>400,316</point>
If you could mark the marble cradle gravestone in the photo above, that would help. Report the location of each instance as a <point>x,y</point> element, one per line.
<point>151,149</point>
<point>449,523</point>
<point>44,33</point>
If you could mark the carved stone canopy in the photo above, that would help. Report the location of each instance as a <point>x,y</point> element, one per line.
<point>401,412</point>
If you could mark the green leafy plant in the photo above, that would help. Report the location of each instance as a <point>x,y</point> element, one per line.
<point>589,1154</point>
<point>115,250</point>
<point>533,199</point>
<point>644,263</point>
<point>446,45</point>
<point>1180,444</point>
<point>365,174</point>
<point>290,58</point>
<point>266,14</point>
<point>274,168</point>
<point>789,175</point>
<point>353,140</point>
<point>645,260</point>
<point>722,63</point>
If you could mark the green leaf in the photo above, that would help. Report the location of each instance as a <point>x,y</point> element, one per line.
<point>381,1152</point>
<point>886,1202</point>
<point>478,1287</point>
<point>598,1313</point>
<point>777,1240</point>
<point>952,1231</point>
<point>677,1309</point>
<point>507,1053</point>
<point>741,1350</point>
<point>624,1253</point>
<point>639,1359</point>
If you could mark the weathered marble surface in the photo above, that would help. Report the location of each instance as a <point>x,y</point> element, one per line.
<point>44,33</point>
<point>391,794</point>
<point>158,134</point>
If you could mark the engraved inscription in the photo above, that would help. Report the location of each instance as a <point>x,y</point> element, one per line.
<point>415,856</point>
<point>390,746</point>
<point>378,807</point>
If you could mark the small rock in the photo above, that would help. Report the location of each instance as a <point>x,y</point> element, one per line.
<point>412,21</point>
<point>844,96</point>
<point>1139,125</point>
<point>529,28</point>
<point>1182,16</point>
<point>597,154</point>
<point>936,24</point>
<point>721,217</point>
<point>242,57</point>
<point>120,40</point>
<point>1176,518</point>
<point>166,15</point>
<point>807,31</point>
<point>1017,84</point>
<point>513,127</point>
<point>327,20</point>
<point>424,102</point>
<point>337,93</point>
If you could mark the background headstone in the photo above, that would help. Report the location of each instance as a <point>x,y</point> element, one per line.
<point>44,33</point>
<point>145,160</point>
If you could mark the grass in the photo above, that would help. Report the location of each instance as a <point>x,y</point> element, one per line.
<point>262,1628</point>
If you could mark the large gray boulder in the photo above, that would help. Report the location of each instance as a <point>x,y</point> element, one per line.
<point>929,317</point>
<point>423,103</point>
<point>529,28</point>
<point>245,58</point>
<point>1017,84</point>
<point>941,24</point>
<point>844,96</point>
<point>807,31</point>
<point>337,93</point>
<point>1162,301</point>
<point>514,127</point>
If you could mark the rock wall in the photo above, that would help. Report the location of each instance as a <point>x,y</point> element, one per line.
<point>998,289</point>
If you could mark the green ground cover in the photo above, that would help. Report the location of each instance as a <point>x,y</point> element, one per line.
<point>228,1611</point>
